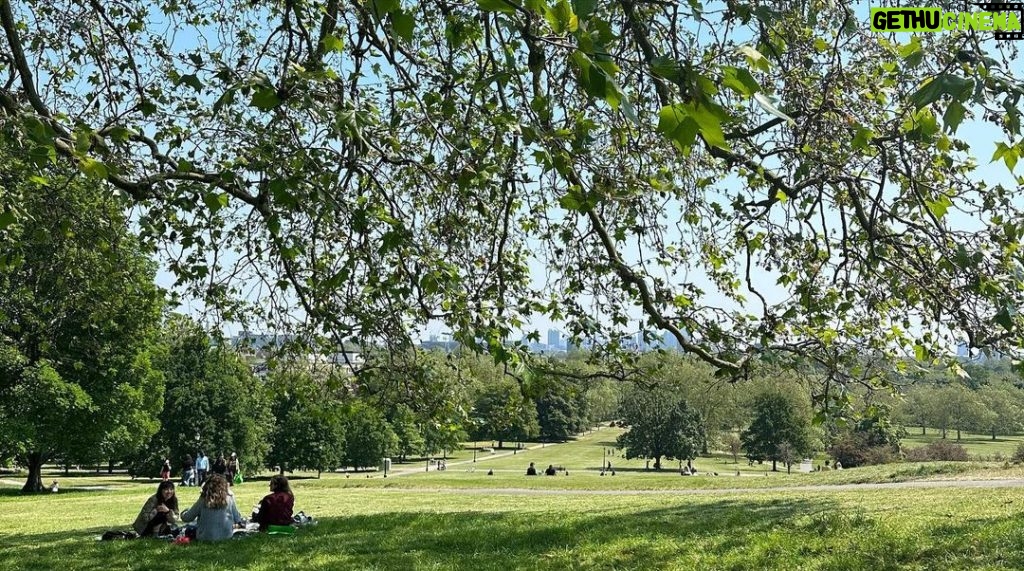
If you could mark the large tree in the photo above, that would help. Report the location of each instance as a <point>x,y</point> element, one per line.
<point>781,425</point>
<point>213,403</point>
<point>79,312</point>
<point>746,176</point>
<point>661,424</point>
<point>308,431</point>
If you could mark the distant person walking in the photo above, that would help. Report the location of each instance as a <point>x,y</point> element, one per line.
<point>165,470</point>
<point>202,467</point>
<point>220,466</point>
<point>232,469</point>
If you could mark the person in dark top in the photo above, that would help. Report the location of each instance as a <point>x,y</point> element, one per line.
<point>550,471</point>
<point>276,507</point>
<point>531,471</point>
<point>220,466</point>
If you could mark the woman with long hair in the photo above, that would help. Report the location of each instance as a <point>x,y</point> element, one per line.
<point>159,512</point>
<point>276,507</point>
<point>215,511</point>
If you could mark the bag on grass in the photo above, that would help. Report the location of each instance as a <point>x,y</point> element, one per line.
<point>238,479</point>
<point>118,534</point>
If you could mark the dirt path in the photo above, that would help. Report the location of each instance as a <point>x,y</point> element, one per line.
<point>918,484</point>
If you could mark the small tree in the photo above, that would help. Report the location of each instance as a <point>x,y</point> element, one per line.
<point>779,417</point>
<point>734,446</point>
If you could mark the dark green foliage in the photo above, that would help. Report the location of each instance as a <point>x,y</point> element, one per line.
<point>661,425</point>
<point>78,317</point>
<point>308,432</point>
<point>502,413</point>
<point>368,437</point>
<point>780,418</point>
<point>212,403</point>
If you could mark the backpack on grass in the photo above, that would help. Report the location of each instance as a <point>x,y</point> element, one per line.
<point>118,534</point>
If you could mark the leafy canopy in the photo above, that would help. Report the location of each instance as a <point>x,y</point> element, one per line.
<point>746,177</point>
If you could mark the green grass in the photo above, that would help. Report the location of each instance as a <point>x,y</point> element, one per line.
<point>464,519</point>
<point>418,529</point>
<point>977,445</point>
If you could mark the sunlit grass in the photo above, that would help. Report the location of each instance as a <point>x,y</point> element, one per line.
<point>417,529</point>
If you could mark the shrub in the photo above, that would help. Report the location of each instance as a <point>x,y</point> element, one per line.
<point>853,449</point>
<point>941,450</point>
<point>1018,454</point>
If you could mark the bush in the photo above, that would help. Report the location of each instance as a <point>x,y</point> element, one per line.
<point>852,450</point>
<point>1018,454</point>
<point>941,450</point>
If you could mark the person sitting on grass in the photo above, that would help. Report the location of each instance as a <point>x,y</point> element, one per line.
<point>550,471</point>
<point>159,512</point>
<point>531,471</point>
<point>215,509</point>
<point>276,507</point>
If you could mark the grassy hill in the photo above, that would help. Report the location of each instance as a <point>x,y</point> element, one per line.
<point>463,519</point>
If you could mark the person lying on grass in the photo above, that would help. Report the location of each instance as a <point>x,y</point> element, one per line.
<point>159,512</point>
<point>215,509</point>
<point>276,507</point>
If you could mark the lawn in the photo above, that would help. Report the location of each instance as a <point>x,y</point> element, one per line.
<point>367,528</point>
<point>463,519</point>
<point>978,445</point>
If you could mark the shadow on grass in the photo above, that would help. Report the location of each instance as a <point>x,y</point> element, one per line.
<point>725,534</point>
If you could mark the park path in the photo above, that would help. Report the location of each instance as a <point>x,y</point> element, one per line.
<point>916,484</point>
<point>406,470</point>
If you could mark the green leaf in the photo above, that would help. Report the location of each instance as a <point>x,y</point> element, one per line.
<point>740,81</point>
<point>943,84</point>
<point>506,7</point>
<point>333,43</point>
<point>584,8</point>
<point>755,58</point>
<point>192,81</point>
<point>93,168</point>
<point>384,7</point>
<point>7,218</point>
<point>403,23</point>
<point>709,125</point>
<point>675,123</point>
<point>215,200</point>
<point>667,67</point>
<point>562,18</point>
<point>939,207</point>
<point>1005,317</point>
<point>265,99</point>
<point>920,352</point>
<point>770,107</point>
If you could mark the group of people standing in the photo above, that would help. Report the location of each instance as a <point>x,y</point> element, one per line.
<point>214,512</point>
<point>195,472</point>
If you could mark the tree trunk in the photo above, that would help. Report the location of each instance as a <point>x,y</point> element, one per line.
<point>922,430</point>
<point>34,484</point>
<point>657,462</point>
<point>943,433</point>
<point>110,466</point>
<point>774,468</point>
<point>993,434</point>
<point>318,470</point>
<point>281,468</point>
<point>500,444</point>
<point>958,435</point>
